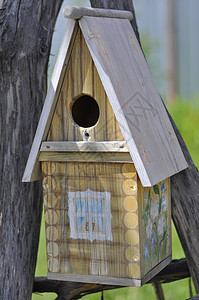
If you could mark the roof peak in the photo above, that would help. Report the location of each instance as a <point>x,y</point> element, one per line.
<point>76,12</point>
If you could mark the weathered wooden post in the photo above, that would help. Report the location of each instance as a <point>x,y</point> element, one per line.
<point>105,149</point>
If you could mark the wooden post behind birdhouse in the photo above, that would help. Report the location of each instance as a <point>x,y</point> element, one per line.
<point>105,150</point>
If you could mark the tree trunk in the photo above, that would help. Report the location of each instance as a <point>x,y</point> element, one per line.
<point>26,28</point>
<point>170,51</point>
<point>25,37</point>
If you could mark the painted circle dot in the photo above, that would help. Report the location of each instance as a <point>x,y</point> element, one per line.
<point>51,217</point>
<point>132,254</point>
<point>134,270</point>
<point>128,170</point>
<point>52,249</point>
<point>49,183</point>
<point>130,203</point>
<point>132,237</point>
<point>49,169</point>
<point>50,200</point>
<point>130,220</point>
<point>51,233</point>
<point>53,264</point>
<point>136,258</point>
<point>129,186</point>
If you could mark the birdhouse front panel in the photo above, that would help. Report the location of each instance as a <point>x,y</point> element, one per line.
<point>92,223</point>
<point>83,111</point>
<point>101,222</point>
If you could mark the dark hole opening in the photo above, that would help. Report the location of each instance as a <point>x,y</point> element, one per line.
<point>87,134</point>
<point>85,111</point>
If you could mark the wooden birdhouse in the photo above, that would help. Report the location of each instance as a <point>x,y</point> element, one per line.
<point>105,149</point>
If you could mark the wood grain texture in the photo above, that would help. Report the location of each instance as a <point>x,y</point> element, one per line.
<point>118,5</point>
<point>176,270</point>
<point>91,251</point>
<point>18,212</point>
<point>145,125</point>
<point>84,146</point>
<point>184,186</point>
<point>118,257</point>
<point>136,103</point>
<point>95,279</point>
<point>86,156</point>
<point>75,12</point>
<point>185,196</point>
<point>33,169</point>
<point>82,79</point>
<point>24,50</point>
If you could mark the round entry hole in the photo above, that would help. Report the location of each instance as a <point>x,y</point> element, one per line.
<point>85,111</point>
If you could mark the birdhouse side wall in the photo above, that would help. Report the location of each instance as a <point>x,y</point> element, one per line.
<point>81,78</point>
<point>155,225</point>
<point>91,217</point>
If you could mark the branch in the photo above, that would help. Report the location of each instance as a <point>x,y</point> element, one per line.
<point>176,270</point>
<point>158,290</point>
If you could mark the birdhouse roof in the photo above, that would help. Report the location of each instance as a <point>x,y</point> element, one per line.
<point>128,83</point>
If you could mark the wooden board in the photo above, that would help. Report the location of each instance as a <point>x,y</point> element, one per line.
<point>118,70</point>
<point>79,248</point>
<point>75,12</point>
<point>155,224</point>
<point>86,157</point>
<point>96,279</point>
<point>135,100</point>
<point>111,280</point>
<point>33,169</point>
<point>84,146</point>
<point>82,79</point>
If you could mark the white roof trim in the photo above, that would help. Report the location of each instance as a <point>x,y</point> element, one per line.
<point>33,170</point>
<point>126,78</point>
<point>76,12</point>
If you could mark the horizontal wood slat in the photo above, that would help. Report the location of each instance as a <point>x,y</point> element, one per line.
<point>176,270</point>
<point>74,12</point>
<point>110,280</point>
<point>95,279</point>
<point>84,146</point>
<point>86,157</point>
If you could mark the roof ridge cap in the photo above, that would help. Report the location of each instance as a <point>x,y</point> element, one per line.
<point>76,12</point>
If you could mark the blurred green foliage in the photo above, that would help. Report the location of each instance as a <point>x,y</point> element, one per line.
<point>186,117</point>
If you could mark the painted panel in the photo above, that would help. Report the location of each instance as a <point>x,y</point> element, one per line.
<point>156,224</point>
<point>90,215</point>
<point>115,253</point>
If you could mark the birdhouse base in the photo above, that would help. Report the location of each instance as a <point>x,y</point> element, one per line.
<point>111,280</point>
